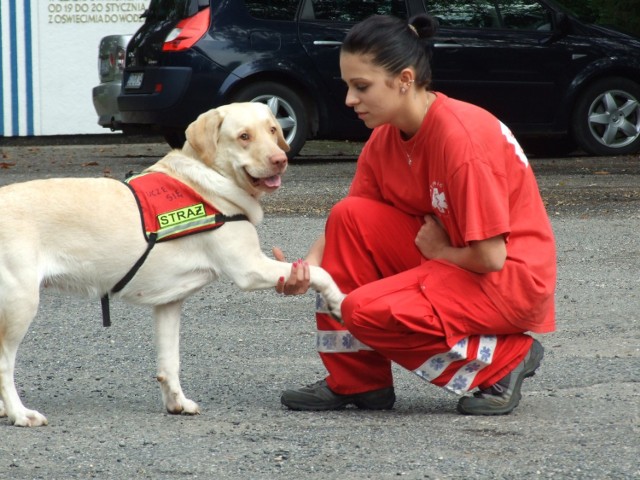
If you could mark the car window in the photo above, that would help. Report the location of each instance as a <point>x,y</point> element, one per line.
<point>173,9</point>
<point>273,9</point>
<point>487,14</point>
<point>351,11</point>
<point>525,16</point>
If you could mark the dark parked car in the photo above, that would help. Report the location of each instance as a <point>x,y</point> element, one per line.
<point>540,69</point>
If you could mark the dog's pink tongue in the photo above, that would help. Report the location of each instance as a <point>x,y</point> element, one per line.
<point>273,182</point>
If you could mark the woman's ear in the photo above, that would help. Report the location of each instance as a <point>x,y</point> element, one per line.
<point>407,76</point>
<point>406,79</point>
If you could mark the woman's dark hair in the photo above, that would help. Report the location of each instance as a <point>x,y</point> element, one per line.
<point>395,44</point>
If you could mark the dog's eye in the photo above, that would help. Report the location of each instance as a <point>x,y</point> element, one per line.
<point>245,136</point>
<point>273,130</point>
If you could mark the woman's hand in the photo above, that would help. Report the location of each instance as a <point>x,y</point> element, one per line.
<point>432,239</point>
<point>299,279</point>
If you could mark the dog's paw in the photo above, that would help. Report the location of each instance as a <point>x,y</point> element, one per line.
<point>174,400</point>
<point>3,411</point>
<point>335,311</point>
<point>29,418</point>
<point>333,308</point>
<point>337,316</point>
<point>183,406</point>
<point>190,407</point>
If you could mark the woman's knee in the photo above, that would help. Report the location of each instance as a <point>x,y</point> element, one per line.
<point>354,209</point>
<point>357,313</point>
<point>350,208</point>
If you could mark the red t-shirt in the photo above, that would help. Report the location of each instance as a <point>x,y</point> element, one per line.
<point>468,170</point>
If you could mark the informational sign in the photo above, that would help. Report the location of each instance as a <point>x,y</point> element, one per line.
<point>93,11</point>
<point>49,62</point>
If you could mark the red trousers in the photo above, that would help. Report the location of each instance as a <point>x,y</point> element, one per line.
<point>430,317</point>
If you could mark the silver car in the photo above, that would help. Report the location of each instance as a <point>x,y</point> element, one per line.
<point>111,56</point>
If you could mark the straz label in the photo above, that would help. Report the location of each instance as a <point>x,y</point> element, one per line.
<point>181,215</point>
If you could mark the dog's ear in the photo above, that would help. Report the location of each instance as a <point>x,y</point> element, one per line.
<point>282,143</point>
<point>203,133</point>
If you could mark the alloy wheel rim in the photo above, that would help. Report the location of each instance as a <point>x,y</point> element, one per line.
<point>614,119</point>
<point>284,113</point>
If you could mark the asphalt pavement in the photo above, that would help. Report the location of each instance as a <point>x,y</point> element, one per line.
<point>579,417</point>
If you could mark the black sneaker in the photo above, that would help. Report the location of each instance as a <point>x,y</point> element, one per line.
<point>502,397</point>
<point>319,396</point>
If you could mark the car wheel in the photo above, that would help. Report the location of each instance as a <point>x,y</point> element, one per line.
<point>286,105</point>
<point>606,120</point>
<point>175,138</point>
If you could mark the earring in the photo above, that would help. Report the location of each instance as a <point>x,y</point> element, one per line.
<point>403,89</point>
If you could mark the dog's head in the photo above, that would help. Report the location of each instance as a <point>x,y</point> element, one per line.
<point>242,141</point>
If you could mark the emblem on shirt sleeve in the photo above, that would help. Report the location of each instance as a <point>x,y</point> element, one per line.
<point>438,198</point>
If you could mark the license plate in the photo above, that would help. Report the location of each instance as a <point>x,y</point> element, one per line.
<point>134,80</point>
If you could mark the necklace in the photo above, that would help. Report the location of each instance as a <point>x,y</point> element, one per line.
<point>415,138</point>
<point>408,154</point>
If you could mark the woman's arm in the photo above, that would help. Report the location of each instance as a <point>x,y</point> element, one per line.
<point>481,256</point>
<point>314,256</point>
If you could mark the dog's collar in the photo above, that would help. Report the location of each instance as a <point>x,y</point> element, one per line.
<point>169,209</point>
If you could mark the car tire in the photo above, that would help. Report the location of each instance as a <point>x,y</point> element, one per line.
<point>286,105</point>
<point>606,120</point>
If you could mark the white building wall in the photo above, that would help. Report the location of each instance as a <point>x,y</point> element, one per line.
<point>49,62</point>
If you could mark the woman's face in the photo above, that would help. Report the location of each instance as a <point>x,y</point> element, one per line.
<point>372,93</point>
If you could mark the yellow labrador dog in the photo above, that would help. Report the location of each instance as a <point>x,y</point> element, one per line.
<point>84,235</point>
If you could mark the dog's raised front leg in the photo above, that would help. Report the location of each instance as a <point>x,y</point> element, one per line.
<point>263,272</point>
<point>167,340</point>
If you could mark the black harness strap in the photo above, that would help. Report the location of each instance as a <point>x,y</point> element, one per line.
<point>106,314</point>
<point>104,301</point>
<point>130,274</point>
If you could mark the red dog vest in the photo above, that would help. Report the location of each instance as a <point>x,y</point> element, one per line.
<point>170,208</point>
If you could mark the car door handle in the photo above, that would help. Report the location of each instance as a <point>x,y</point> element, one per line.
<point>447,45</point>
<point>331,43</point>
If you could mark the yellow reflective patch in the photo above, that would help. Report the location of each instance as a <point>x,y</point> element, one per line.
<point>181,215</point>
